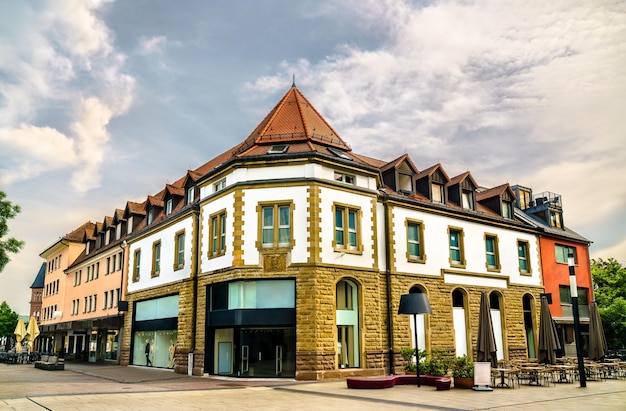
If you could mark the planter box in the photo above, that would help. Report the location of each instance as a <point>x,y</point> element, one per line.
<point>464,382</point>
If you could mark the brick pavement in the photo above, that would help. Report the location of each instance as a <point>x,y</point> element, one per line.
<point>89,386</point>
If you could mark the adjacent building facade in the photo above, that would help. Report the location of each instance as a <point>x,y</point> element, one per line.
<point>286,256</point>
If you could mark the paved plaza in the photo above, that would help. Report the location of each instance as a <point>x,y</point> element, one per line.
<point>89,386</point>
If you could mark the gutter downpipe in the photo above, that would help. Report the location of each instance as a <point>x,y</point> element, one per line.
<point>388,284</point>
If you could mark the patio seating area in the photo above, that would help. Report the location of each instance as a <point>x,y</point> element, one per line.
<point>529,372</point>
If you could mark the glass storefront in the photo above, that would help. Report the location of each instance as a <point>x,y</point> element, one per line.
<point>154,348</point>
<point>251,329</point>
<point>155,332</point>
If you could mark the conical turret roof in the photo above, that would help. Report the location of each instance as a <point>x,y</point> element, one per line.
<point>292,120</point>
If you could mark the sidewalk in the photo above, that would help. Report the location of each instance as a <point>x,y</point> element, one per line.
<point>89,386</point>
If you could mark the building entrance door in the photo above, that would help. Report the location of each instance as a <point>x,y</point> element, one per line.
<point>267,352</point>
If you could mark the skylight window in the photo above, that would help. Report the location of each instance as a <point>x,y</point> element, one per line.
<point>339,153</point>
<point>278,149</point>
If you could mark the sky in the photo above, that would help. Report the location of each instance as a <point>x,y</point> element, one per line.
<point>104,102</point>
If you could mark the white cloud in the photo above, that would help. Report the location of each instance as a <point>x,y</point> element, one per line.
<point>62,61</point>
<point>151,45</point>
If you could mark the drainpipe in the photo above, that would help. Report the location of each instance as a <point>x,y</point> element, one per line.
<point>194,273</point>
<point>388,284</point>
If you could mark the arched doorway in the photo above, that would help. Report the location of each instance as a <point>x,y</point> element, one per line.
<point>529,325</point>
<point>495,302</point>
<point>459,320</point>
<point>347,317</point>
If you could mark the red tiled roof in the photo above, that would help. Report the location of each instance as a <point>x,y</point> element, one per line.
<point>79,233</point>
<point>462,177</point>
<point>431,170</point>
<point>398,161</point>
<point>493,192</point>
<point>292,120</point>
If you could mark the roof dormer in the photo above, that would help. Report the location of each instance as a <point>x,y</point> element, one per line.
<point>431,183</point>
<point>462,191</point>
<point>498,199</point>
<point>399,174</point>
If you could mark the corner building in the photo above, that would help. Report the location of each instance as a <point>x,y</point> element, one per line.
<point>286,256</point>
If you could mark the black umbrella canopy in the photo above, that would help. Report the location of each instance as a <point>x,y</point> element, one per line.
<point>486,344</point>
<point>597,340</point>
<point>548,340</point>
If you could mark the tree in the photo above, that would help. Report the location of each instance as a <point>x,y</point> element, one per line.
<point>11,245</point>
<point>8,320</point>
<point>609,279</point>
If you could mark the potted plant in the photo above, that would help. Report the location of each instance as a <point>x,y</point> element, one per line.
<point>463,372</point>
<point>436,366</point>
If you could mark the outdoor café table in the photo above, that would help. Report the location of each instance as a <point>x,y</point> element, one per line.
<point>593,371</point>
<point>610,369</point>
<point>564,372</point>
<point>533,374</point>
<point>502,371</point>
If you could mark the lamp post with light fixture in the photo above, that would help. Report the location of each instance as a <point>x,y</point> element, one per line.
<point>574,294</point>
<point>415,303</point>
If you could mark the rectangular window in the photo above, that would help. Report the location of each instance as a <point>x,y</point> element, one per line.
<point>468,200</point>
<point>523,253</point>
<point>97,269</point>
<point>191,192</point>
<point>415,246</point>
<point>108,265</point>
<point>168,207</point>
<point>347,224</point>
<point>276,226</point>
<point>566,295</point>
<point>106,297</point>
<point>118,231</point>
<point>346,178</point>
<point>491,251</point>
<point>457,254</point>
<point>437,193</point>
<point>119,260</point>
<point>217,228</point>
<point>150,216</point>
<point>562,252</point>
<point>156,259</point>
<point>555,219</point>
<point>107,237</point>
<point>129,227</point>
<point>507,209</point>
<point>220,185</point>
<point>179,250</point>
<point>136,265</point>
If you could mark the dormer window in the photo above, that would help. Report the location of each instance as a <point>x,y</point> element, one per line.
<point>107,237</point>
<point>437,193</point>
<point>467,198</point>
<point>555,219</point>
<point>168,206</point>
<point>129,225</point>
<point>118,231</point>
<point>87,248</point>
<point>190,195</point>
<point>507,209</point>
<point>339,153</point>
<point>278,149</point>
<point>150,216</point>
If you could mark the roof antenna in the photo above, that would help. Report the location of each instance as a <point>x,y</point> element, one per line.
<point>293,85</point>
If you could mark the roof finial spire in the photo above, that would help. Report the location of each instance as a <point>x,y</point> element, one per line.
<point>293,85</point>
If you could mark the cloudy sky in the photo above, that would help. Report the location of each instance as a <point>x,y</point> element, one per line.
<point>102,101</point>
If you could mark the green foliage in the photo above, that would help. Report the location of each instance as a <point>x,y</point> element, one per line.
<point>10,245</point>
<point>8,320</point>
<point>609,279</point>
<point>438,364</point>
<point>408,354</point>
<point>463,367</point>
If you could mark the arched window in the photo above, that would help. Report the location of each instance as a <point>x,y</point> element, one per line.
<point>496,320</point>
<point>459,315</point>
<point>347,314</point>
<point>527,302</point>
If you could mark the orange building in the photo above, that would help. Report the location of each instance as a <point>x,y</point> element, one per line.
<point>556,242</point>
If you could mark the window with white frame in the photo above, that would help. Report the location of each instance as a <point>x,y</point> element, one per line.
<point>275,225</point>
<point>415,244</point>
<point>179,250</point>
<point>217,230</point>
<point>347,228</point>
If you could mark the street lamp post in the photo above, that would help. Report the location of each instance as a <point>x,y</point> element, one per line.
<point>415,303</point>
<point>574,293</point>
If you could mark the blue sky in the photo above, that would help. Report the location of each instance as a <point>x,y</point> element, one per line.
<point>102,102</point>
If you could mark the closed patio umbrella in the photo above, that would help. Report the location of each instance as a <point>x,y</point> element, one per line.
<point>33,332</point>
<point>548,340</point>
<point>597,340</point>
<point>486,344</point>
<point>20,333</point>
